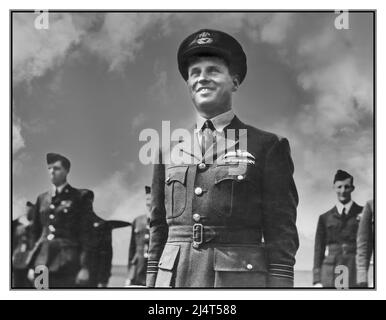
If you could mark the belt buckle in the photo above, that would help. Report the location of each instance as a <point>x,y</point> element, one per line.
<point>198,235</point>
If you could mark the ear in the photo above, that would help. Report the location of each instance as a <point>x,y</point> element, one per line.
<point>236,83</point>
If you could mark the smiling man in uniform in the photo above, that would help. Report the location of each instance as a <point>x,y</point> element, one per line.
<point>226,215</point>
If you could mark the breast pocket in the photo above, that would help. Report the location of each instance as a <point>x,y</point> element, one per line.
<point>240,266</point>
<point>235,190</point>
<point>175,191</point>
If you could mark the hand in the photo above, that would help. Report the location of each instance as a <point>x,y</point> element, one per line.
<point>318,285</point>
<point>31,275</point>
<point>128,282</point>
<point>83,277</point>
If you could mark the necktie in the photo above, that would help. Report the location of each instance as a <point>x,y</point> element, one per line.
<point>344,213</point>
<point>207,136</point>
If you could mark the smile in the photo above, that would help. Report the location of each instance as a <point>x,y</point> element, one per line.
<point>205,89</point>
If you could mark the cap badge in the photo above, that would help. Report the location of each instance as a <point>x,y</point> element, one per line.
<point>204,38</point>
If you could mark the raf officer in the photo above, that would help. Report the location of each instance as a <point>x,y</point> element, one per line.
<point>62,228</point>
<point>22,244</point>
<point>223,212</point>
<point>365,243</point>
<point>139,246</point>
<point>103,255</point>
<point>335,240</point>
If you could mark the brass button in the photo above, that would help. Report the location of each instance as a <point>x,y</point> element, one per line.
<point>52,217</point>
<point>240,177</point>
<point>52,228</point>
<point>147,236</point>
<point>202,166</point>
<point>52,206</point>
<point>146,255</point>
<point>198,191</point>
<point>65,210</point>
<point>96,224</point>
<point>50,237</point>
<point>196,217</point>
<point>249,267</point>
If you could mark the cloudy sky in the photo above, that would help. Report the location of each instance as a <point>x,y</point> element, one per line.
<point>89,84</point>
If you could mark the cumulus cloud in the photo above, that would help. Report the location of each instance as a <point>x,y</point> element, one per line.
<point>122,36</point>
<point>35,51</point>
<point>18,207</point>
<point>119,197</point>
<point>18,142</point>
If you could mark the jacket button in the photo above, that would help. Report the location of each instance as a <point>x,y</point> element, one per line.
<point>52,206</point>
<point>50,237</point>
<point>202,166</point>
<point>65,210</point>
<point>96,225</point>
<point>196,217</point>
<point>198,191</point>
<point>147,236</point>
<point>249,267</point>
<point>52,217</point>
<point>240,177</point>
<point>52,228</point>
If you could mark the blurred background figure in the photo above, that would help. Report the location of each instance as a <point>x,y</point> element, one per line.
<point>139,246</point>
<point>102,261</point>
<point>335,240</point>
<point>365,241</point>
<point>22,243</point>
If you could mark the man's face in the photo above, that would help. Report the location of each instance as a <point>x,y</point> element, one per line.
<point>148,202</point>
<point>57,173</point>
<point>343,190</point>
<point>211,85</point>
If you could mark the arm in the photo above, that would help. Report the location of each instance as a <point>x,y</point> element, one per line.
<point>132,253</point>
<point>158,224</point>
<point>319,249</point>
<point>87,236</point>
<point>364,244</point>
<point>279,225</point>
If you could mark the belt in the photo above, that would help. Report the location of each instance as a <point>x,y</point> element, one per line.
<point>200,234</point>
<point>344,248</point>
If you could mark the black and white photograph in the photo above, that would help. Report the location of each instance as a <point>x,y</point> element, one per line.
<point>172,149</point>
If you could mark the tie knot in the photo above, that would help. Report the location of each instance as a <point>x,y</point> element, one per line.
<point>208,125</point>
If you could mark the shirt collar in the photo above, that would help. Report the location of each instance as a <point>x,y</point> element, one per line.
<point>59,188</point>
<point>340,207</point>
<point>219,122</point>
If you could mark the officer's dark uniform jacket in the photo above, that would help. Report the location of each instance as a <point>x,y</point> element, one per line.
<point>365,241</point>
<point>138,250</point>
<point>208,221</point>
<point>22,244</point>
<point>335,244</point>
<point>100,269</point>
<point>62,229</point>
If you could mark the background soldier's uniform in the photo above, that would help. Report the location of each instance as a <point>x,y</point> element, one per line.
<point>138,250</point>
<point>335,244</point>
<point>22,243</point>
<point>100,271</point>
<point>62,229</point>
<point>365,241</point>
<point>231,209</point>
